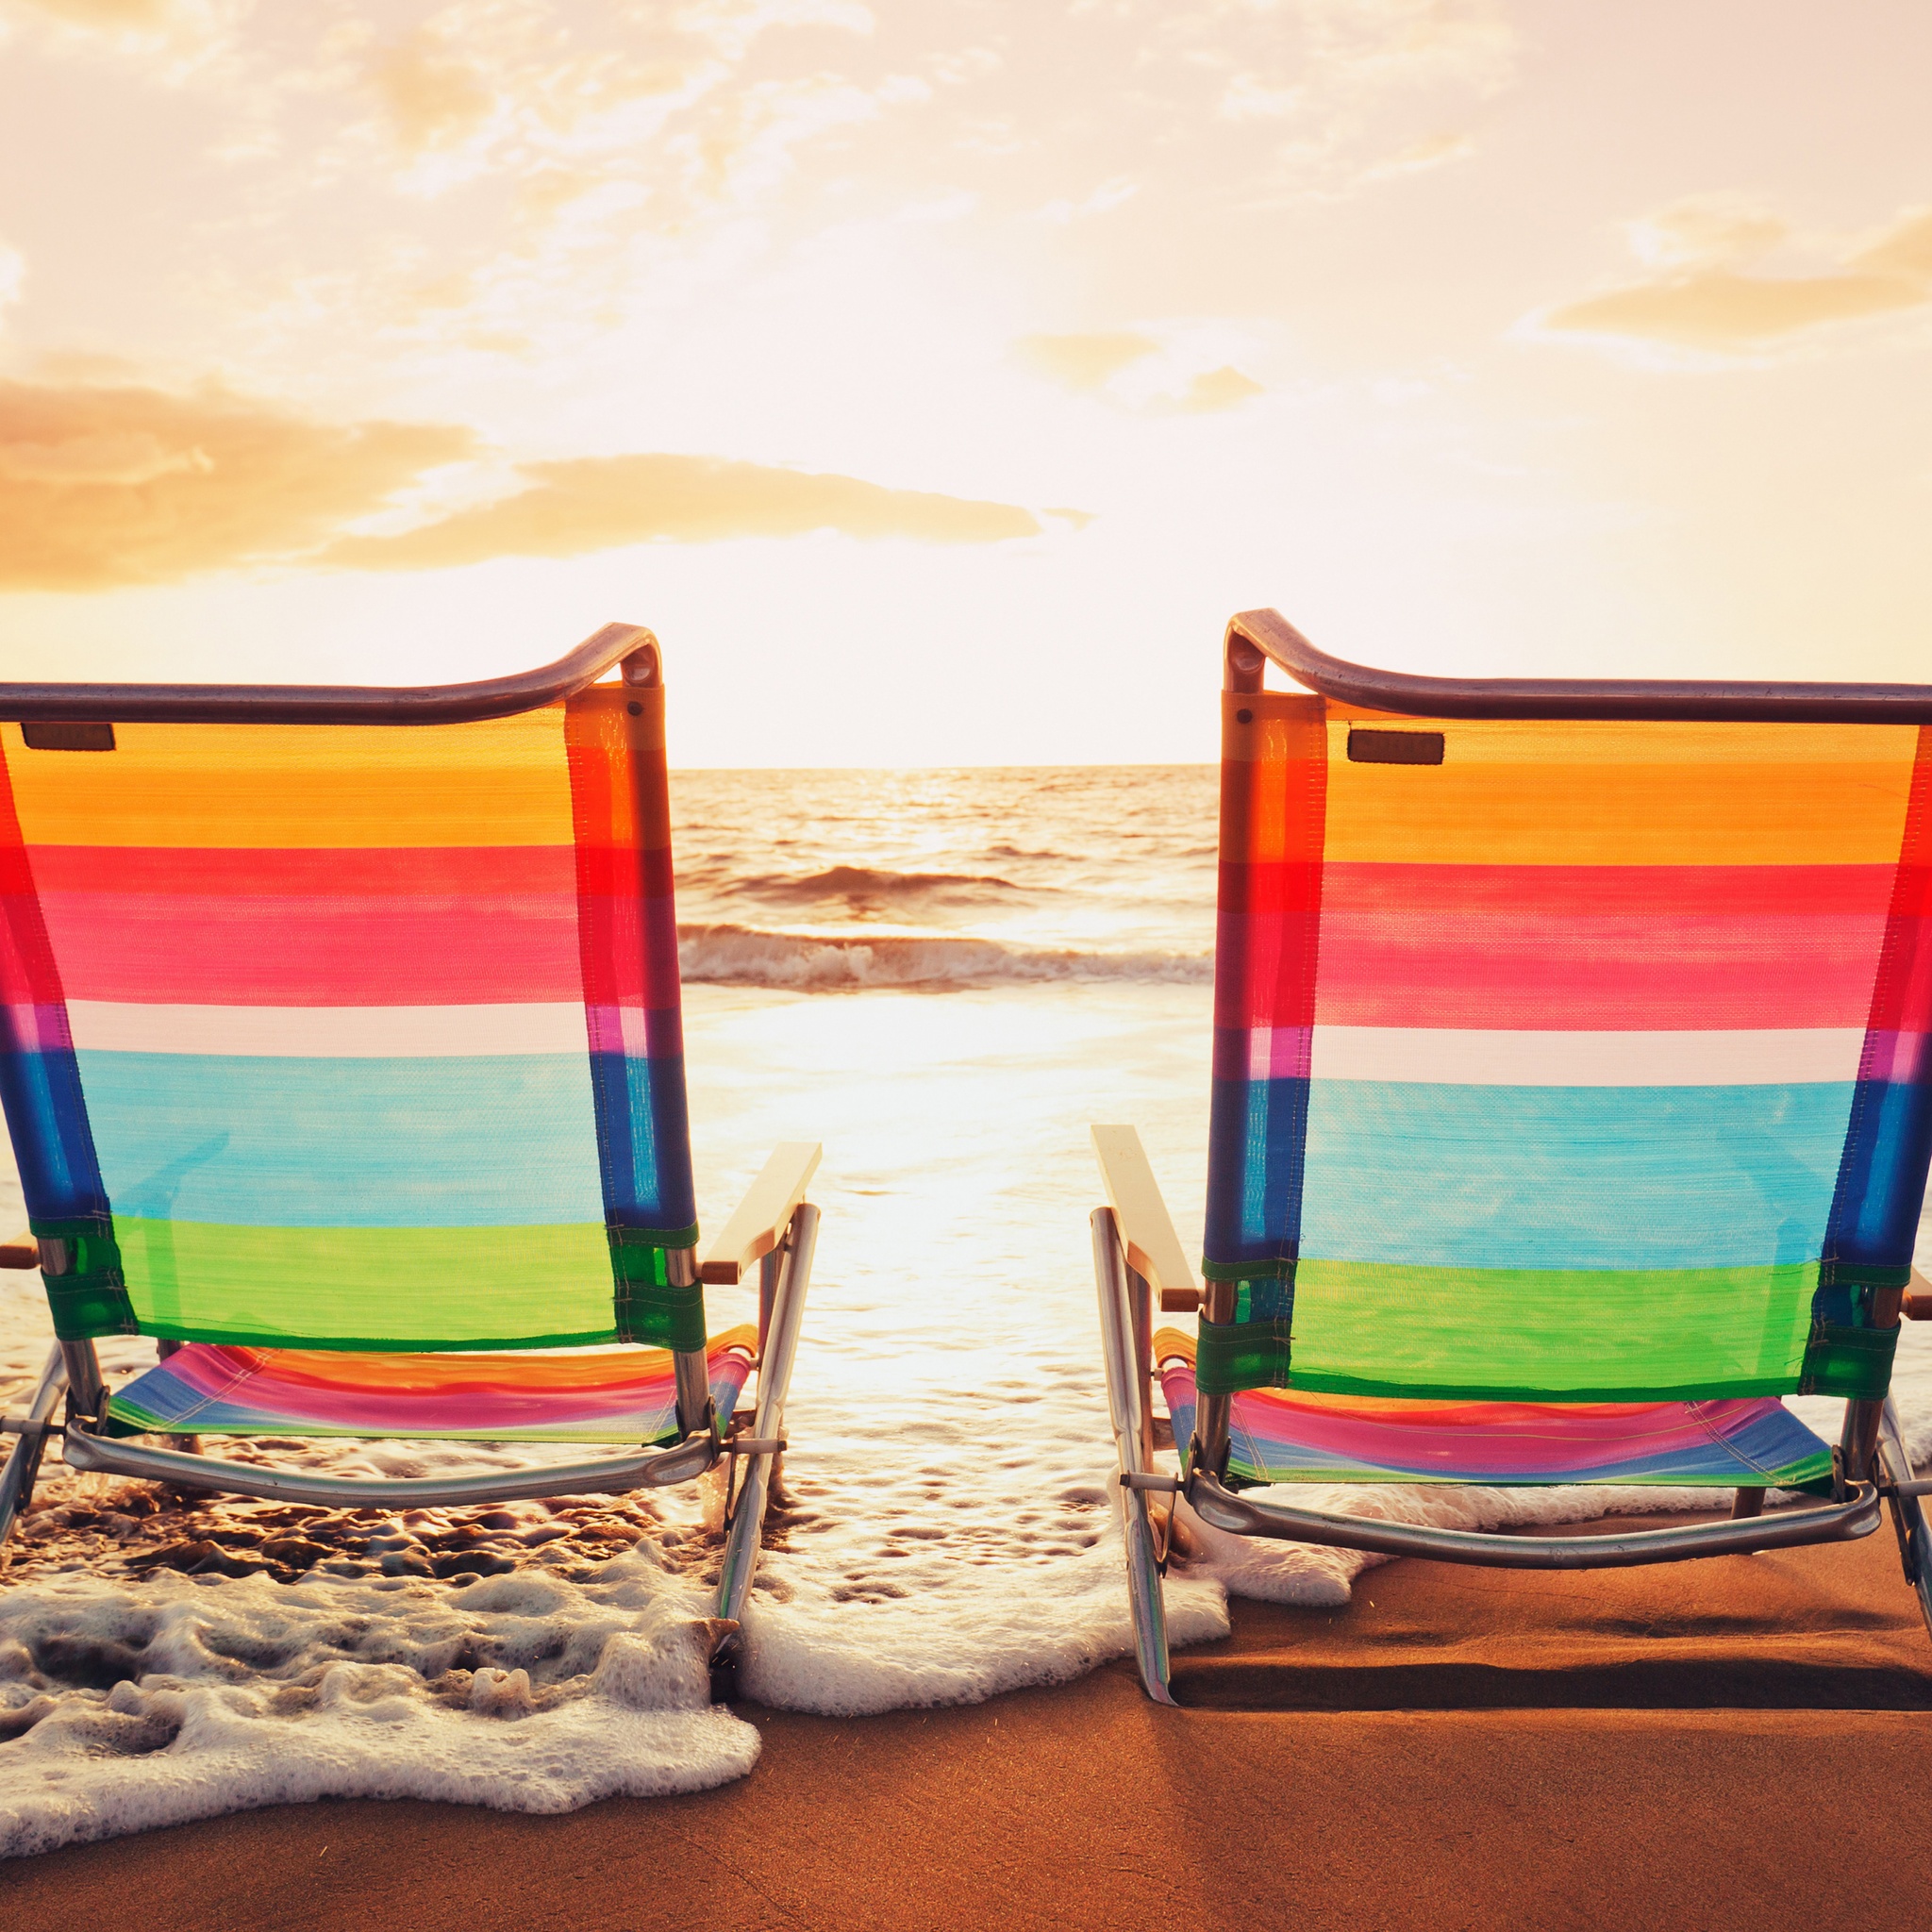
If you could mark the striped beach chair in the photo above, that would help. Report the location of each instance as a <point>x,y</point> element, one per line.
<point>341,1050</point>
<point>1572,1103</point>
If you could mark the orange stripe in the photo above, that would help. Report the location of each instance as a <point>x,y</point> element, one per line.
<point>500,782</point>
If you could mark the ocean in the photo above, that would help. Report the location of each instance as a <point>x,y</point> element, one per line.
<point>945,977</point>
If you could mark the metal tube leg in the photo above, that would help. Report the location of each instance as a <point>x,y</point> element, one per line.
<point>85,1391</point>
<point>23,1463</point>
<point>775,1378</point>
<point>1908,1514</point>
<point>769,1266</point>
<point>693,1365</point>
<point>1858,1440</point>
<point>1125,1395</point>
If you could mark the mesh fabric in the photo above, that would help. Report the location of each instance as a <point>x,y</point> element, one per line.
<point>1585,1065</point>
<point>352,1035</point>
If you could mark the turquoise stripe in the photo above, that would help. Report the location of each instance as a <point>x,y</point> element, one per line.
<point>505,1139</point>
<point>1542,1177</point>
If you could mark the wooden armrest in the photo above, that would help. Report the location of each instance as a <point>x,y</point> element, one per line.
<point>23,1250</point>
<point>1916,1304</point>
<point>763,1215</point>
<point>1153,1249</point>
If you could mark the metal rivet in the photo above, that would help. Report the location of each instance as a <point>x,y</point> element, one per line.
<point>636,711</point>
<point>1244,717</point>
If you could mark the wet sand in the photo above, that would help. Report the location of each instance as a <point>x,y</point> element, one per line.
<point>1743,1741</point>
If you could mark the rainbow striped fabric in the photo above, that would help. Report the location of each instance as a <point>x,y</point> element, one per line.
<point>1568,1062</point>
<point>1281,1435</point>
<point>582,1396</point>
<point>351,1037</point>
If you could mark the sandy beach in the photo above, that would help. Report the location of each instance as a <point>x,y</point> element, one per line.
<point>1731,1742</point>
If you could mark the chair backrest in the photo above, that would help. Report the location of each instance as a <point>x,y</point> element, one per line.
<point>1566,1058</point>
<point>350,1035</point>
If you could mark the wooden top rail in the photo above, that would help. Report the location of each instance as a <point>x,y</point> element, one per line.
<point>759,1223</point>
<point>1153,1250</point>
<point>1916,1306</point>
<point>23,1250</point>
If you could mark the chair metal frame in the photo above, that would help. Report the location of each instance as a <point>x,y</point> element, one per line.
<point>773,1225</point>
<point>1137,1255</point>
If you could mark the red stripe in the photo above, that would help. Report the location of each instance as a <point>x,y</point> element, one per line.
<point>422,925</point>
<point>1600,948</point>
<point>177,949</point>
<point>348,872</point>
<point>1587,892</point>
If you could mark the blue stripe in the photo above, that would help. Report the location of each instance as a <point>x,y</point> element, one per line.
<point>269,1141</point>
<point>1255,1131</point>
<point>46,1117</point>
<point>645,1141</point>
<point>1881,1186</point>
<point>1450,1176</point>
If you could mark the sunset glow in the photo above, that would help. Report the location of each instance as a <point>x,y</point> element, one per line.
<point>935,380</point>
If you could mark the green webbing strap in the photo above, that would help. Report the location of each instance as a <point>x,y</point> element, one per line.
<point>1851,1362</point>
<point>1247,1270</point>
<point>649,1308</point>
<point>1233,1356</point>
<point>90,1296</point>
<point>1863,1274</point>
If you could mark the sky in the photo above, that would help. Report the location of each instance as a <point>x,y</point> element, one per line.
<point>936,377</point>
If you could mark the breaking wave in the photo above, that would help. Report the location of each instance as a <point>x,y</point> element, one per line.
<point>876,890</point>
<point>726,954</point>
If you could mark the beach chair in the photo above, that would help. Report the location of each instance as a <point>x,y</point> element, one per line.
<point>1571,1103</point>
<point>341,1050</point>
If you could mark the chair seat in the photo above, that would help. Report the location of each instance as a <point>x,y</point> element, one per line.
<point>595,1396</point>
<point>1278,1436</point>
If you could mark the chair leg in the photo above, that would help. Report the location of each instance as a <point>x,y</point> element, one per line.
<point>1908,1514</point>
<point>24,1464</point>
<point>1126,1392</point>
<point>743,1534</point>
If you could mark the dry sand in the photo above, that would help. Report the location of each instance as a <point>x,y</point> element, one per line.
<point>1741,1741</point>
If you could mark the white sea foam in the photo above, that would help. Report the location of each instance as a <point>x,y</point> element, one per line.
<point>189,1696</point>
<point>728,955</point>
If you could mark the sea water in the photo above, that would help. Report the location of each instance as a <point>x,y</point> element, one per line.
<point>945,977</point>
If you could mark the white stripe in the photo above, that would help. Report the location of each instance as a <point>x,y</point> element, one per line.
<point>1468,1058</point>
<point>329,1032</point>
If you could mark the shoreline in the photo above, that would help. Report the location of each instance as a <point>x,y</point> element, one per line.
<point>1648,1736</point>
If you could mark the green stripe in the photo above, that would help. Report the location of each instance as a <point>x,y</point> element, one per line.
<point>1550,1335</point>
<point>371,1288</point>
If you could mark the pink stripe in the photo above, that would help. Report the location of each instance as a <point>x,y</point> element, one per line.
<point>173,949</point>
<point>1638,948</point>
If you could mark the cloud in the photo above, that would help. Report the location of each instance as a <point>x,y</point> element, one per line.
<point>1085,363</point>
<point>1161,379</point>
<point>107,15</point>
<point>1107,196</point>
<point>1217,389</point>
<point>107,486</point>
<point>12,276</point>
<point>1703,299</point>
<point>431,95</point>
<point>586,504</point>
<point>1437,151</point>
<point>101,485</point>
